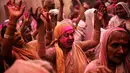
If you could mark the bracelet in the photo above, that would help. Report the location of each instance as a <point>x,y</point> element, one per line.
<point>8,36</point>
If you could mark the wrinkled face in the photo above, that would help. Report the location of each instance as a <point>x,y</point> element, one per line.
<point>66,40</point>
<point>120,11</point>
<point>18,40</point>
<point>117,47</point>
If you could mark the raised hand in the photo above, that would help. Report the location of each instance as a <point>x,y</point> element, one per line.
<point>46,18</point>
<point>15,11</point>
<point>26,17</point>
<point>101,11</point>
<point>97,20</point>
<point>37,14</point>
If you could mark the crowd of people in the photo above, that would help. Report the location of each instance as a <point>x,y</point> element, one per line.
<point>90,40</point>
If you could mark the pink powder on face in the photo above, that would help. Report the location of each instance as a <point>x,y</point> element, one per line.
<point>66,28</point>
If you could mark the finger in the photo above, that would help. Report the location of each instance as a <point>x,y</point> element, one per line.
<point>108,70</point>
<point>104,10</point>
<point>98,70</point>
<point>43,15</point>
<point>40,11</point>
<point>22,9</point>
<point>25,15</point>
<point>29,15</point>
<point>31,11</point>
<point>20,3</point>
<point>13,2</point>
<point>8,2</point>
<point>102,70</point>
<point>105,69</point>
<point>101,9</point>
<point>37,10</point>
<point>95,14</point>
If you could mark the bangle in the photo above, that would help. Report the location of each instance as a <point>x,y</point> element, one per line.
<point>8,36</point>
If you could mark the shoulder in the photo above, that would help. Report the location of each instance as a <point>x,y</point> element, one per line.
<point>50,49</point>
<point>50,52</point>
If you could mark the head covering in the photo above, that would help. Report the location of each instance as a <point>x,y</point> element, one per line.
<point>54,11</point>
<point>61,28</point>
<point>125,6</point>
<point>104,40</point>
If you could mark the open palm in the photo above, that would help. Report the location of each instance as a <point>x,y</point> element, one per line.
<point>15,11</point>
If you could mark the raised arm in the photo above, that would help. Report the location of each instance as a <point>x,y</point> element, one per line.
<point>60,14</point>
<point>40,29</point>
<point>25,28</point>
<point>43,27</point>
<point>48,24</point>
<point>81,12</point>
<point>96,37</point>
<point>15,11</point>
<point>43,17</point>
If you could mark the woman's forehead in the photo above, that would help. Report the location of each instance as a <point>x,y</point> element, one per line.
<point>69,31</point>
<point>117,32</point>
<point>119,6</point>
<point>117,35</point>
<point>66,28</point>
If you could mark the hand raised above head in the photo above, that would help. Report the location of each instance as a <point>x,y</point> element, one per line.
<point>15,11</point>
<point>26,18</point>
<point>97,20</point>
<point>46,16</point>
<point>101,11</point>
<point>37,14</point>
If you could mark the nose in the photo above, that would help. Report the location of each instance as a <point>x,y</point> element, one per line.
<point>70,37</point>
<point>121,49</point>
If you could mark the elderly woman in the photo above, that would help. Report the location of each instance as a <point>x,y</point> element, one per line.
<point>122,16</point>
<point>70,57</point>
<point>113,53</point>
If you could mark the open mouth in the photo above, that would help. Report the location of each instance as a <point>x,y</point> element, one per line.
<point>119,57</point>
<point>70,42</point>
